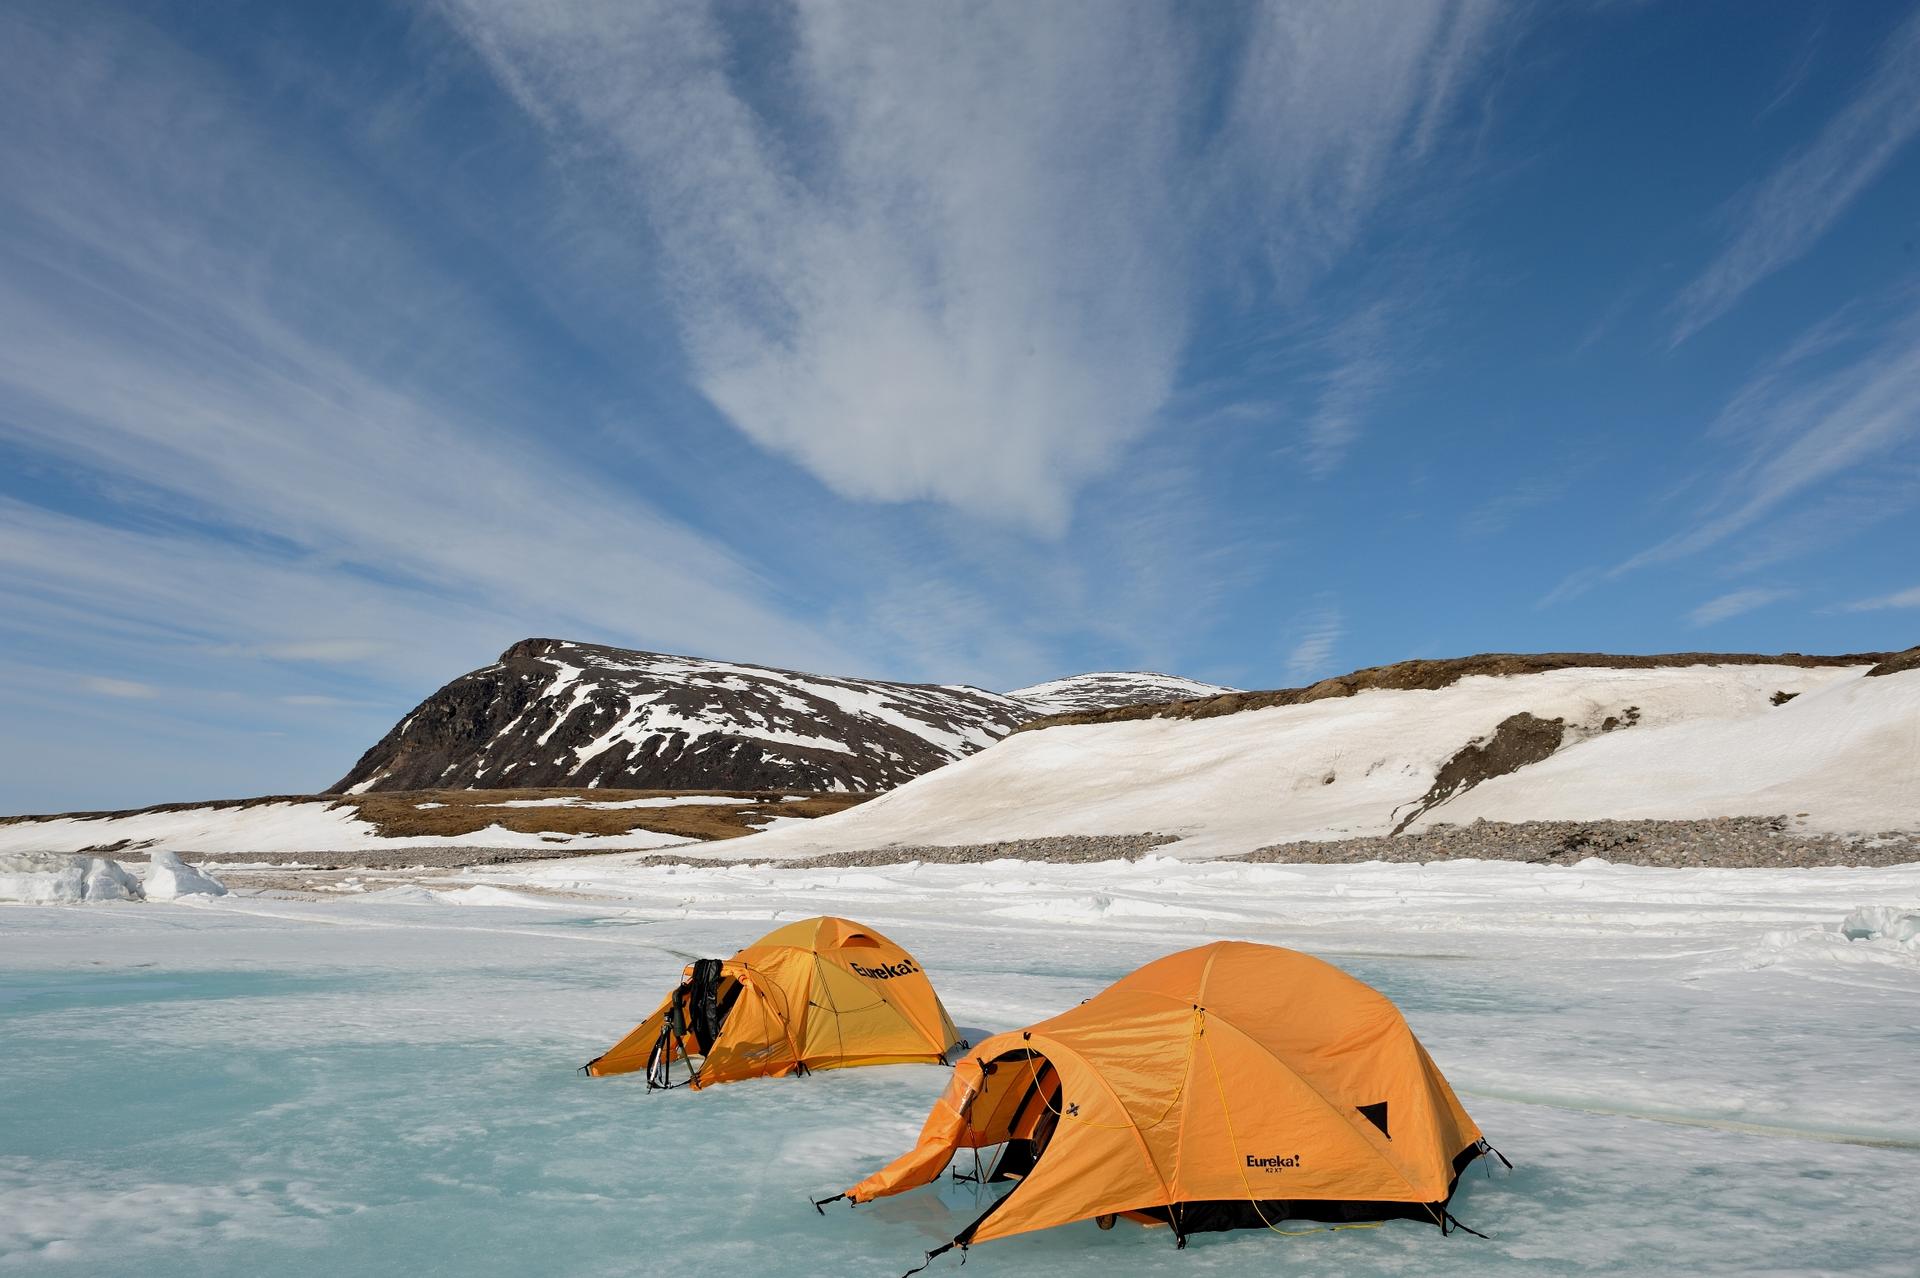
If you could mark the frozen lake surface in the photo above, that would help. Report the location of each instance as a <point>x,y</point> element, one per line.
<point>1694,1071</point>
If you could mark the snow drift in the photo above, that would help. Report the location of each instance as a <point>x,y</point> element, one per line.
<point>1882,923</point>
<point>1820,743</point>
<point>168,878</point>
<point>290,825</point>
<point>56,878</point>
<point>53,878</point>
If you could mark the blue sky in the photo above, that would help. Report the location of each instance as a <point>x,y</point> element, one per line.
<point>343,345</point>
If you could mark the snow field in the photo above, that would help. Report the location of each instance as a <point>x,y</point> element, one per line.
<point>1847,752</point>
<point>1708,742</point>
<point>311,826</point>
<point>388,1083</point>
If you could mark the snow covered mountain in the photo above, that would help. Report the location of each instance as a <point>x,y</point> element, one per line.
<point>1831,741</point>
<point>554,713</point>
<point>1080,693</point>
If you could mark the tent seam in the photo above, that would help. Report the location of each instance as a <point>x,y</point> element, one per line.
<point>1138,1135</point>
<point>1324,1099</point>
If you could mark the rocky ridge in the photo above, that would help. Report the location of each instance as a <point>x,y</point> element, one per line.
<point>550,713</point>
<point>1088,692</point>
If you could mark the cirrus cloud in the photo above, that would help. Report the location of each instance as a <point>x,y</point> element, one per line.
<point>955,256</point>
<point>1734,603</point>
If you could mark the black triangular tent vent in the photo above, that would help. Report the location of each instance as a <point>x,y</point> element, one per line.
<point>1376,1114</point>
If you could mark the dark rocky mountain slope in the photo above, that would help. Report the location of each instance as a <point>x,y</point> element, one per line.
<point>553,713</point>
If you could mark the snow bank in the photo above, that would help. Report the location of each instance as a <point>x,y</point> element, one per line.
<point>1882,923</point>
<point>54,878</point>
<point>779,822</point>
<point>109,881</point>
<point>168,878</point>
<point>58,878</point>
<point>265,827</point>
<point>317,825</point>
<point>1704,741</point>
<point>1846,753</point>
<point>1869,937</point>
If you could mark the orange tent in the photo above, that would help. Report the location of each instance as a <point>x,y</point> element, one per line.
<point>822,993</point>
<point>1233,1085</point>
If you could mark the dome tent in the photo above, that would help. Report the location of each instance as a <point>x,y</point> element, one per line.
<point>823,993</point>
<point>1233,1085</point>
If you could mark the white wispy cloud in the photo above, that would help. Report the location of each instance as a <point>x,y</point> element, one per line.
<point>326,650</point>
<point>1494,515</point>
<point>1332,99</point>
<point>1788,211</point>
<point>1832,403</point>
<point>1864,498</point>
<point>1359,370</point>
<point>968,275</point>
<point>316,407</point>
<point>179,603</point>
<point>282,349</point>
<point>1734,603</point>
<point>1320,633</point>
<point>1898,599</point>
<point>103,686</point>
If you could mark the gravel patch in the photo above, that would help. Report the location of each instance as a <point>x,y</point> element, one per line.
<point>1060,849</point>
<point>1724,843</point>
<point>1732,843</point>
<point>1064,849</point>
<point>1727,843</point>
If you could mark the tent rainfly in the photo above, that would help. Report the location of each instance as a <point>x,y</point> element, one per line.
<point>1230,1086</point>
<point>823,993</point>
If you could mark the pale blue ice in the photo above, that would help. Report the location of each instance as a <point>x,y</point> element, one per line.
<point>257,1087</point>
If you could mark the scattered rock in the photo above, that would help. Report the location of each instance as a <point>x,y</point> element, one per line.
<point>450,856</point>
<point>1721,843</point>
<point>1063,849</point>
<point>1066,849</point>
